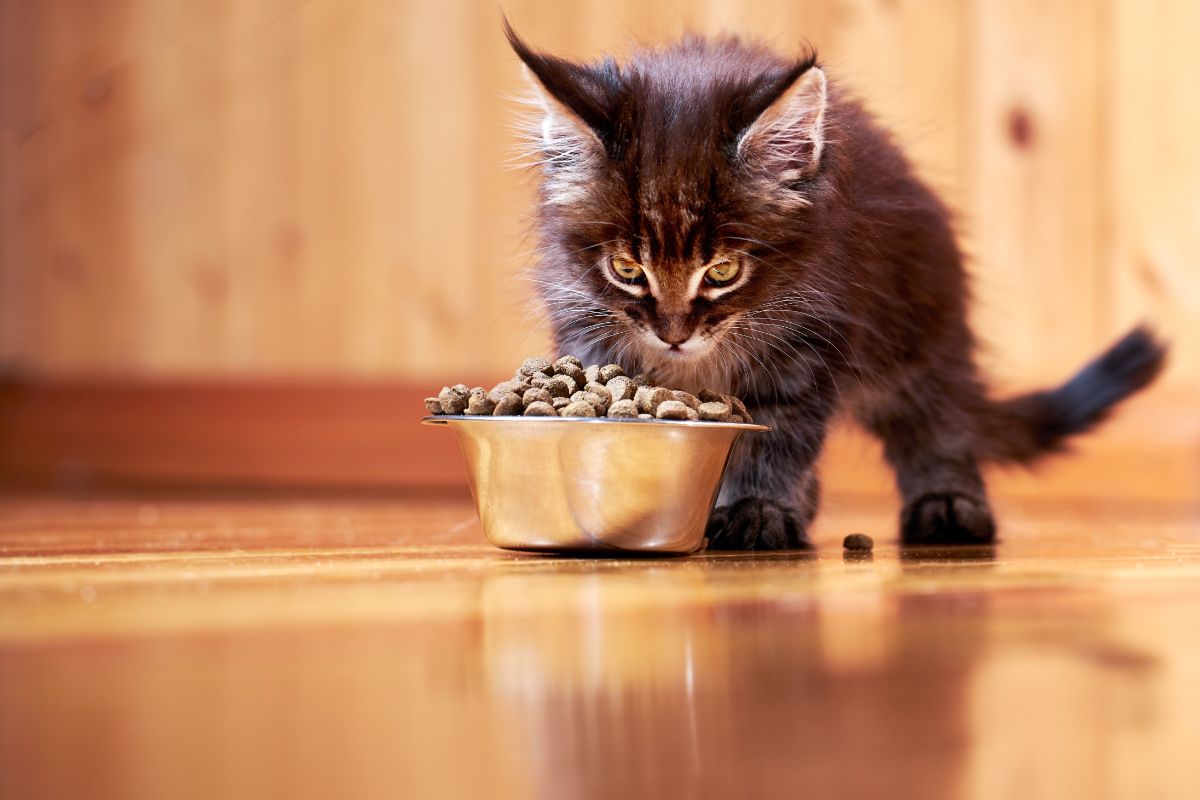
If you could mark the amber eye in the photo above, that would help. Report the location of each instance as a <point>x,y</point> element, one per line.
<point>627,270</point>
<point>722,273</point>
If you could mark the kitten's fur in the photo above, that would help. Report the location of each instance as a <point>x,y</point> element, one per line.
<point>852,293</point>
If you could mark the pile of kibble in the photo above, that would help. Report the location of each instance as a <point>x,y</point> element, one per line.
<point>566,388</point>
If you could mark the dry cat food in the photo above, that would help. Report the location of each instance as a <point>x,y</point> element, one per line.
<point>566,388</point>
<point>858,541</point>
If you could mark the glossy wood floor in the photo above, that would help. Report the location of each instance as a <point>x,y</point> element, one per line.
<point>379,648</point>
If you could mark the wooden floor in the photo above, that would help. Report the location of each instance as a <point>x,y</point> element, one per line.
<point>183,648</point>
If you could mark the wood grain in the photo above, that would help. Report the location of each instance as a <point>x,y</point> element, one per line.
<point>221,648</point>
<point>291,189</point>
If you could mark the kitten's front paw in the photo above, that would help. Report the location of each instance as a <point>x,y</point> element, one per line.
<point>947,519</point>
<point>756,523</point>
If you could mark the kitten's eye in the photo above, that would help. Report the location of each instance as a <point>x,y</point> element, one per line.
<point>627,270</point>
<point>722,274</point>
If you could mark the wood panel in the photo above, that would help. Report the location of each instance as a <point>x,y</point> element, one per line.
<point>1151,126</point>
<point>1032,222</point>
<point>284,188</point>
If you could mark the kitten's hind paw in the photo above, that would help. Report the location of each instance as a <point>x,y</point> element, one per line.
<point>949,518</point>
<point>756,523</point>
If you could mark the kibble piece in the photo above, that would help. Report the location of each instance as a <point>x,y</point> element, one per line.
<point>600,390</point>
<point>579,409</point>
<point>506,388</point>
<point>672,409</point>
<point>564,362</point>
<point>648,398</point>
<point>621,388</point>
<point>591,374</point>
<point>689,400</point>
<point>738,408</point>
<point>709,396</point>
<point>509,405</point>
<point>573,372</point>
<point>433,405</point>
<point>535,365</point>
<point>480,404</point>
<point>610,371</point>
<point>536,394</point>
<point>645,416</point>
<point>715,412</point>
<point>453,399</point>
<point>623,409</point>
<point>540,409</point>
<point>737,419</point>
<point>858,541</point>
<point>561,386</point>
<point>594,400</point>
<point>643,380</point>
<point>560,403</point>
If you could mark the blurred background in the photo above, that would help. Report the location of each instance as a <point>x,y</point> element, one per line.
<point>240,239</point>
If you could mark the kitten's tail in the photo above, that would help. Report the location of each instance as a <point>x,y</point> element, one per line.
<point>1021,429</point>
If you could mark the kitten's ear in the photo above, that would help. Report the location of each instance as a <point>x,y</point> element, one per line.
<point>585,91</point>
<point>787,137</point>
<point>577,103</point>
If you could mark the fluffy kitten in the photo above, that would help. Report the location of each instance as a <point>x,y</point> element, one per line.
<point>727,218</point>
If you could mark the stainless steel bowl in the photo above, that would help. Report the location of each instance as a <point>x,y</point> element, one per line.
<point>571,484</point>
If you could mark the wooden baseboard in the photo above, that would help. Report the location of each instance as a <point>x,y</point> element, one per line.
<point>366,436</point>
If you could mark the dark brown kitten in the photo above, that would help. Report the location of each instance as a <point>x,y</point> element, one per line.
<point>726,218</point>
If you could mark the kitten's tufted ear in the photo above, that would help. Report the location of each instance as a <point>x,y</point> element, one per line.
<point>577,108</point>
<point>787,137</point>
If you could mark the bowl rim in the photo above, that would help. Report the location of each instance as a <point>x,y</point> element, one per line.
<point>446,419</point>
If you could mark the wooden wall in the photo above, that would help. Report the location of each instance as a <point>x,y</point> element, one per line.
<point>286,188</point>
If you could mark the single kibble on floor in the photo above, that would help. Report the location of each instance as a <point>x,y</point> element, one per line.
<point>623,409</point>
<point>537,394</point>
<point>671,409</point>
<point>560,386</point>
<point>453,399</point>
<point>689,400</point>
<point>565,362</point>
<point>858,541</point>
<point>480,405</point>
<point>560,403</point>
<point>535,365</point>
<point>610,371</point>
<point>714,412</point>
<point>509,405</point>
<point>579,409</point>
<point>433,405</point>
<point>591,374</point>
<point>540,409</point>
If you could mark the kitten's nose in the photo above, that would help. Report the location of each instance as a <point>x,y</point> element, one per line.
<point>674,331</point>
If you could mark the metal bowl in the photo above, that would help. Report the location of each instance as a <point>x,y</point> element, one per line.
<point>574,484</point>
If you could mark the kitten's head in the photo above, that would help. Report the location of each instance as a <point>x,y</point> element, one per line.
<point>678,192</point>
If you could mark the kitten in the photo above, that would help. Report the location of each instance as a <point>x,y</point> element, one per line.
<point>726,218</point>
